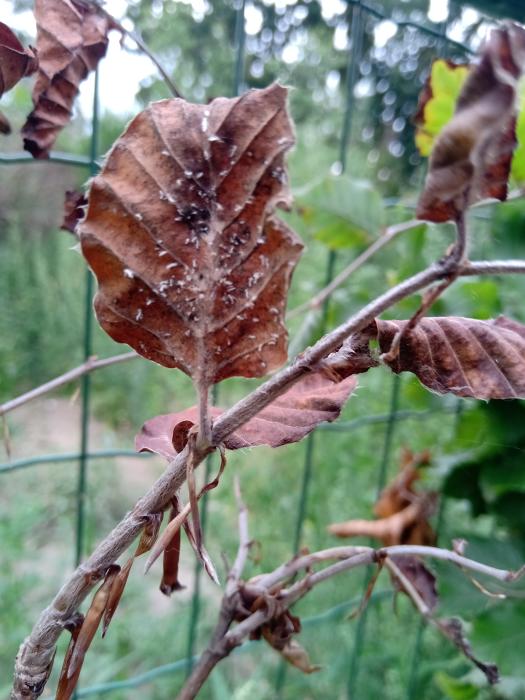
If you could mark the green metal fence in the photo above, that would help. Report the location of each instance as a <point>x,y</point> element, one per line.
<point>358,11</point>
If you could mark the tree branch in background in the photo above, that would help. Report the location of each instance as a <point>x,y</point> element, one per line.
<point>139,41</point>
<point>390,233</point>
<point>86,367</point>
<point>264,600</point>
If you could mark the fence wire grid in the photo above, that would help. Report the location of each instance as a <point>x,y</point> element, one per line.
<point>357,13</point>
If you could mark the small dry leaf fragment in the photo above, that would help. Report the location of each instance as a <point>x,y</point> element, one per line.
<point>72,37</point>
<point>74,207</point>
<point>279,635</point>
<point>15,61</point>
<point>5,126</point>
<point>63,690</point>
<point>402,511</point>
<point>147,539</point>
<point>170,568</point>
<point>463,356</point>
<point>313,399</point>
<point>472,156</point>
<point>420,577</point>
<point>453,629</point>
<point>82,642</point>
<point>193,268</point>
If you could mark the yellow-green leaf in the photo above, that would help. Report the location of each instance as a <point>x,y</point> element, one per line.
<point>438,101</point>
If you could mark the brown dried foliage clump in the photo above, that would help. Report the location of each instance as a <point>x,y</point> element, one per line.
<point>15,63</point>
<point>472,156</point>
<point>72,37</point>
<point>193,267</point>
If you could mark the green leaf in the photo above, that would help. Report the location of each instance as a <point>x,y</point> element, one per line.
<point>342,212</point>
<point>455,688</point>
<point>518,160</point>
<point>499,633</point>
<point>437,107</point>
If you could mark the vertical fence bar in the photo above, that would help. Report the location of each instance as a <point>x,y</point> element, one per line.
<point>85,386</point>
<point>360,631</point>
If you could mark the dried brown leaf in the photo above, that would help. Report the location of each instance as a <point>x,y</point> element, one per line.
<point>115,594</point>
<point>63,689</point>
<point>5,126</point>
<point>85,634</point>
<point>193,269</point>
<point>279,632</point>
<point>147,540</point>
<point>472,156</point>
<point>420,577</point>
<point>15,61</point>
<point>312,400</point>
<point>74,206</point>
<point>399,528</point>
<point>463,356</point>
<point>72,37</point>
<point>453,629</point>
<point>170,569</point>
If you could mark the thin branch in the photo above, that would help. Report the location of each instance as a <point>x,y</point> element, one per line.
<point>244,541</point>
<point>389,234</point>
<point>139,41</point>
<point>36,652</point>
<point>387,237</point>
<point>225,640</point>
<point>90,365</point>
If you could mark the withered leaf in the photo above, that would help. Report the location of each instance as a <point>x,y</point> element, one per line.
<point>463,356</point>
<point>420,577</point>
<point>453,629</point>
<point>279,632</point>
<point>15,61</point>
<point>193,269</point>
<point>472,156</point>
<point>147,540</point>
<point>74,660</point>
<point>5,126</point>
<point>402,511</point>
<point>74,204</point>
<point>72,37</point>
<point>170,566</point>
<point>313,399</point>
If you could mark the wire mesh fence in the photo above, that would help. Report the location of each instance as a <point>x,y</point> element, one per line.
<point>358,12</point>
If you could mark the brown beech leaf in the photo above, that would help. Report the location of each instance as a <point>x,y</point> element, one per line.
<point>72,37</point>
<point>472,156</point>
<point>463,356</point>
<point>193,269</point>
<point>15,61</point>
<point>74,207</point>
<point>313,399</point>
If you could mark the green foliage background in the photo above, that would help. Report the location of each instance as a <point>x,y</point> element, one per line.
<point>478,449</point>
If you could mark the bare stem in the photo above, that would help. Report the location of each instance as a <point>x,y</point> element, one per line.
<point>224,639</point>
<point>139,41</point>
<point>90,365</point>
<point>387,237</point>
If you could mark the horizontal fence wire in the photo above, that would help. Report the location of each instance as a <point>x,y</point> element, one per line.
<point>357,8</point>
